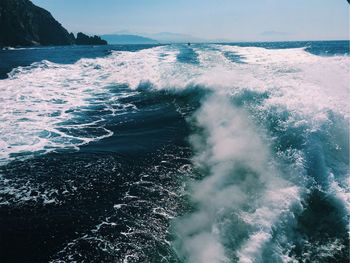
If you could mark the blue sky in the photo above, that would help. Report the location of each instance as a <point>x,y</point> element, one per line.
<point>238,20</point>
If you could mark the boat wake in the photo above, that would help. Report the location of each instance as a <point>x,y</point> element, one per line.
<point>268,176</point>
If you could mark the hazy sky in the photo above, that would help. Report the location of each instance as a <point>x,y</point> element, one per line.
<point>211,19</point>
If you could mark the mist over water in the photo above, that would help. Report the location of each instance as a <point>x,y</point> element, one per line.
<point>201,153</point>
<point>242,188</point>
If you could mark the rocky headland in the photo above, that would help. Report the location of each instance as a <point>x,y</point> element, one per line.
<point>24,24</point>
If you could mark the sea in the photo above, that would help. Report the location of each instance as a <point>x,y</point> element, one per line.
<point>201,153</point>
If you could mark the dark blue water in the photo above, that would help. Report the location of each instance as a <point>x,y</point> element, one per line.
<point>175,153</point>
<point>65,55</point>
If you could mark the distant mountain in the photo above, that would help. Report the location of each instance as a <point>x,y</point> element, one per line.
<point>128,39</point>
<point>24,24</point>
<point>168,37</point>
<point>162,37</point>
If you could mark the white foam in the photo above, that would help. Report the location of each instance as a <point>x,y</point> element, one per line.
<point>273,205</point>
<point>240,174</point>
<point>37,101</point>
<point>301,82</point>
<point>342,193</point>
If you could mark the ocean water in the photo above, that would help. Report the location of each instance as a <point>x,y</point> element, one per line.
<point>206,153</point>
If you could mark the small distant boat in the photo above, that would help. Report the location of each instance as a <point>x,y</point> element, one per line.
<point>188,44</point>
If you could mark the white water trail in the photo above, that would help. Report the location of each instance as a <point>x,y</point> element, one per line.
<point>244,189</point>
<point>242,179</point>
<point>242,182</point>
<point>42,104</point>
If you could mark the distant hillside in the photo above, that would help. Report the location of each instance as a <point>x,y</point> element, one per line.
<point>24,24</point>
<point>168,37</point>
<point>128,39</point>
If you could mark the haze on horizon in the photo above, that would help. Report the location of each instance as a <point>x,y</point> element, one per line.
<point>234,20</point>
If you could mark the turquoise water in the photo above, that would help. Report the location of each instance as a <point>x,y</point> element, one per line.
<point>204,153</point>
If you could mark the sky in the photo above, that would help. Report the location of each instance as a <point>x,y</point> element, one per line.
<point>236,20</point>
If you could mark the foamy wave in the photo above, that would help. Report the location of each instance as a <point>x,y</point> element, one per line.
<point>242,187</point>
<point>41,104</point>
<point>36,100</point>
<point>245,194</point>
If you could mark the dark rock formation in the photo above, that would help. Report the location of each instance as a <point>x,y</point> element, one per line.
<point>83,39</point>
<point>24,24</point>
<point>128,39</point>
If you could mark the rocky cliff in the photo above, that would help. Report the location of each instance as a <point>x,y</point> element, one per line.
<point>24,24</point>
